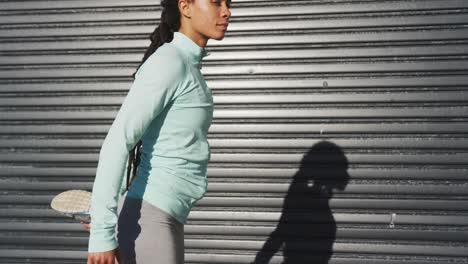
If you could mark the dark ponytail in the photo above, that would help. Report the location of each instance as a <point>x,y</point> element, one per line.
<point>164,32</point>
<point>169,22</point>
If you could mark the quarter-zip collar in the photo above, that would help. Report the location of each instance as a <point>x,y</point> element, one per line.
<point>189,48</point>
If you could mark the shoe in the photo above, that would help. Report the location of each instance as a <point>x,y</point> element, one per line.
<point>73,203</point>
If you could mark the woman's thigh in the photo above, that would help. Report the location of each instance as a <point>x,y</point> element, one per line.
<point>146,234</point>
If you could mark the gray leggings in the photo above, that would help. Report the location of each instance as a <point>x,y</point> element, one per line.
<point>146,234</point>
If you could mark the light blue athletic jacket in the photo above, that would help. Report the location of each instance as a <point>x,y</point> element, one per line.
<point>170,107</point>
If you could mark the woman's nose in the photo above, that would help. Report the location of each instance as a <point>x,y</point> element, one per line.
<point>226,12</point>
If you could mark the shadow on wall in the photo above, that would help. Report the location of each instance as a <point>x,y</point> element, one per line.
<point>307,229</point>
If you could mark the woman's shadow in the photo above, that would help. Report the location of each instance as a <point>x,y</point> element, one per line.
<point>307,229</point>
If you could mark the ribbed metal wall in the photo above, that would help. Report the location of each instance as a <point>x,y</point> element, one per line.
<point>311,97</point>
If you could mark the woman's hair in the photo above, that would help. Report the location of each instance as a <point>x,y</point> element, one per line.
<point>164,32</point>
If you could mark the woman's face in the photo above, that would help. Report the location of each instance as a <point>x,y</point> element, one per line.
<point>210,18</point>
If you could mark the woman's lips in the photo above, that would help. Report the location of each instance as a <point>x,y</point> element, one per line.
<point>223,26</point>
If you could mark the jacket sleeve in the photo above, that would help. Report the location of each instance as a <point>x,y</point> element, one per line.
<point>155,85</point>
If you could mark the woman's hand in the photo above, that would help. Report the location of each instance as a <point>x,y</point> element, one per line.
<point>102,257</point>
<point>107,257</point>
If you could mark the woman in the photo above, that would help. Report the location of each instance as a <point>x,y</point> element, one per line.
<point>169,108</point>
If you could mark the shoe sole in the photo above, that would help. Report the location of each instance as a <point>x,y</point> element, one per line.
<point>73,203</point>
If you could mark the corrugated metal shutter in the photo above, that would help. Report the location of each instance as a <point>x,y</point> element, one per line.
<point>311,96</point>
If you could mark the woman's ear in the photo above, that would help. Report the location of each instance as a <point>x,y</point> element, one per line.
<point>185,8</point>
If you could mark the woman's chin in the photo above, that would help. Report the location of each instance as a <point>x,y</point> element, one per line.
<point>219,35</point>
